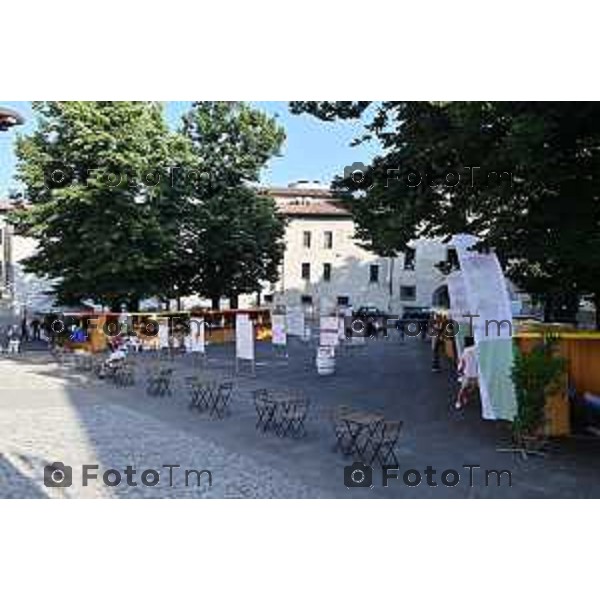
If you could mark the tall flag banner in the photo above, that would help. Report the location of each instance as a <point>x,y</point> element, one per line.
<point>485,293</point>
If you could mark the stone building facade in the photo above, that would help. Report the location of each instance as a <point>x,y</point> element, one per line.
<point>20,292</point>
<point>326,267</point>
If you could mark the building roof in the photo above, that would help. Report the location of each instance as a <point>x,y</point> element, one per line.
<point>307,199</point>
<point>318,208</point>
<point>295,192</point>
<point>8,205</point>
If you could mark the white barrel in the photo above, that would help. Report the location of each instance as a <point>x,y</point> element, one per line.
<point>325,360</point>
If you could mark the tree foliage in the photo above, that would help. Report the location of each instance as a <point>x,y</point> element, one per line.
<point>123,208</point>
<point>89,209</point>
<point>236,241</point>
<point>543,220</point>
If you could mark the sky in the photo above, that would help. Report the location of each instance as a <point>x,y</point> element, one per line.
<point>313,150</point>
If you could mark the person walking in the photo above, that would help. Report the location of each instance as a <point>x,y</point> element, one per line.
<point>24,330</point>
<point>14,344</point>
<point>468,370</point>
<point>35,329</point>
<point>437,327</point>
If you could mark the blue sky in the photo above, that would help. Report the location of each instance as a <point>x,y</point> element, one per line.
<point>313,150</point>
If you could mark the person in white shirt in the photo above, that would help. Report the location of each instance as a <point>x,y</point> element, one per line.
<point>468,369</point>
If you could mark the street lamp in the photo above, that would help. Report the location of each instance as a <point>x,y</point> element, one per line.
<point>9,118</point>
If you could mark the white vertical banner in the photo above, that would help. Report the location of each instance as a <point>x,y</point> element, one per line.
<point>295,321</point>
<point>341,329</point>
<point>328,331</point>
<point>459,307</point>
<point>194,341</point>
<point>487,297</point>
<point>244,337</point>
<point>163,333</point>
<point>278,329</point>
<point>199,344</point>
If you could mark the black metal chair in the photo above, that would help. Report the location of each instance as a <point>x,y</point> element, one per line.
<point>384,442</point>
<point>194,388</point>
<point>159,384</point>
<point>124,375</point>
<point>265,409</point>
<point>221,399</point>
<point>342,436</point>
<point>293,416</point>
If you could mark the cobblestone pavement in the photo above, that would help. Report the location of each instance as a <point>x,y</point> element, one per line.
<point>45,419</point>
<point>50,413</point>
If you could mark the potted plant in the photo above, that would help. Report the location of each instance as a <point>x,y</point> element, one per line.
<point>536,375</point>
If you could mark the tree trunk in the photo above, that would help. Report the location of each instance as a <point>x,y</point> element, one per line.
<point>216,302</point>
<point>233,301</point>
<point>597,308</point>
<point>178,303</point>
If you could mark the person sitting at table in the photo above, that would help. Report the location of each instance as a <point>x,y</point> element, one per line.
<point>468,371</point>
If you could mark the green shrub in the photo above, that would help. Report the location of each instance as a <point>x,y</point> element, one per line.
<point>536,374</point>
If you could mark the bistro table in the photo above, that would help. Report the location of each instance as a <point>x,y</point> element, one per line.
<point>283,411</point>
<point>159,384</point>
<point>211,394</point>
<point>361,428</point>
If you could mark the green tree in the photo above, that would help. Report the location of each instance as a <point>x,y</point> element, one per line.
<point>543,219</point>
<point>235,233</point>
<point>92,173</point>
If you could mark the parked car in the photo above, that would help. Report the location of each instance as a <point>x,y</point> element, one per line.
<point>374,319</point>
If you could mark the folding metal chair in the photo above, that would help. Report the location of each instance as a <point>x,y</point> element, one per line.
<point>165,382</point>
<point>152,384</point>
<point>126,375</point>
<point>265,409</point>
<point>294,415</point>
<point>206,391</point>
<point>342,436</point>
<point>384,442</point>
<point>221,399</point>
<point>193,390</point>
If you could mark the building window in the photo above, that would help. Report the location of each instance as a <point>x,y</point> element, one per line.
<point>306,239</point>
<point>374,273</point>
<point>343,300</point>
<point>408,292</point>
<point>268,298</point>
<point>306,299</point>
<point>306,271</point>
<point>328,240</point>
<point>326,271</point>
<point>410,256</point>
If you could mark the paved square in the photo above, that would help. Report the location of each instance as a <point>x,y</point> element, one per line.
<point>50,413</point>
